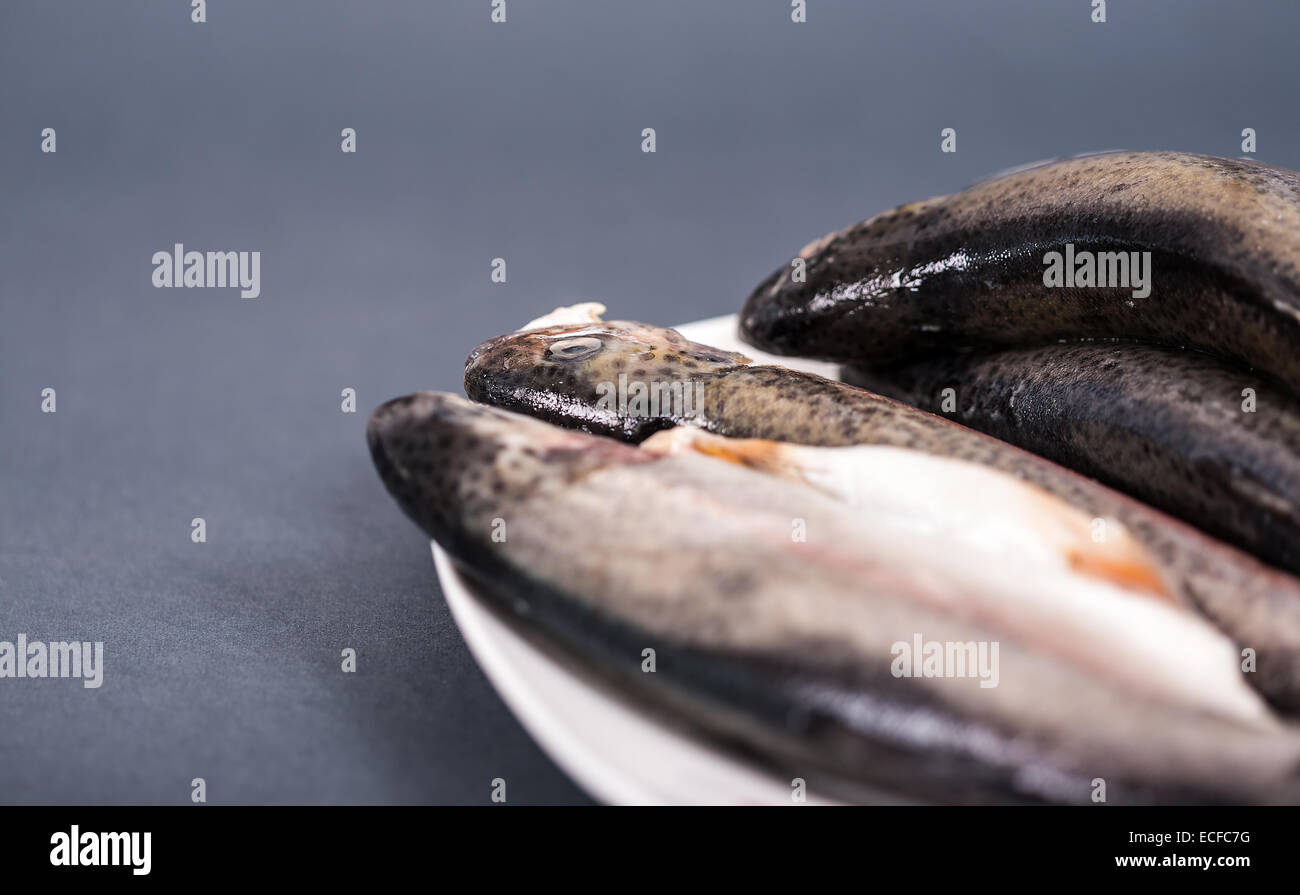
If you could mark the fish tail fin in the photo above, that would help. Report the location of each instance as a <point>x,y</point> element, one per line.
<point>755,453</point>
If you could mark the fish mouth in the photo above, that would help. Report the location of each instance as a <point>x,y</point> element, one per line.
<point>437,453</point>
<point>404,435</point>
<point>770,321</point>
<point>407,430</point>
<point>407,434</point>
<point>510,372</point>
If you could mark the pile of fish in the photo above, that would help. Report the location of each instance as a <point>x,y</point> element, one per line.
<point>855,591</point>
<point>1145,393</point>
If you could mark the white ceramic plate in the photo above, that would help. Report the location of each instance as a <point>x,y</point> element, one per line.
<point>615,752</point>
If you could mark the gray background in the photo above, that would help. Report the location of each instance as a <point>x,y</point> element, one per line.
<point>474,141</point>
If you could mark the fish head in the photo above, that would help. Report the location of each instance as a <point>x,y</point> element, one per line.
<point>789,316</point>
<point>578,373</point>
<point>454,466</point>
<point>803,311</point>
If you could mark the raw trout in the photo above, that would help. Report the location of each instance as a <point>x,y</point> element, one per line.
<point>1201,440</point>
<point>560,372</point>
<point>1161,247</point>
<point>796,652</point>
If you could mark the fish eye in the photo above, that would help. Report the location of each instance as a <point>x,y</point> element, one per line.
<point>574,349</point>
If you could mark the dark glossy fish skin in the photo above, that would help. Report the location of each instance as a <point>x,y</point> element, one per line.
<point>1164,426</point>
<point>1255,605</point>
<point>966,271</point>
<point>520,372</point>
<point>584,516</point>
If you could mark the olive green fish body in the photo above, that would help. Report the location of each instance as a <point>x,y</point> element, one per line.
<point>1201,440</point>
<point>967,271</point>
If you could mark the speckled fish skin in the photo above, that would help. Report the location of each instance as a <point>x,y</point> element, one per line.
<point>1162,425</point>
<point>529,371</point>
<point>1253,604</point>
<point>769,647</point>
<point>966,271</point>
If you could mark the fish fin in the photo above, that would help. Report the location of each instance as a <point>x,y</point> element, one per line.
<point>754,453</point>
<point>1090,153</point>
<point>1019,169</point>
<point>1016,169</point>
<point>583,312</point>
<point>1134,573</point>
<point>817,245</point>
<point>1117,559</point>
<point>667,442</point>
<point>758,454</point>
